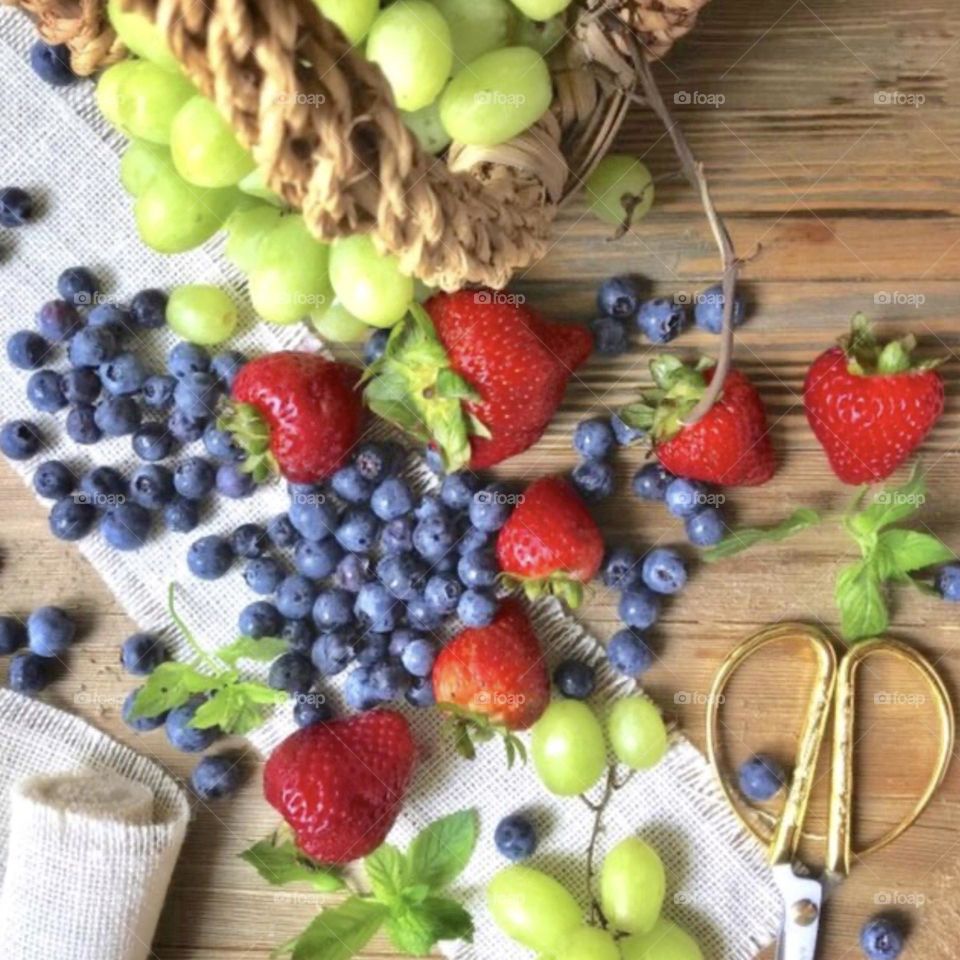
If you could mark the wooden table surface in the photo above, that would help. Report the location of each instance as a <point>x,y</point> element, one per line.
<point>831,137</point>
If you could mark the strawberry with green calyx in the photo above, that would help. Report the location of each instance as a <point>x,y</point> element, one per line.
<point>871,404</point>
<point>551,544</point>
<point>476,373</point>
<point>296,413</point>
<point>729,446</point>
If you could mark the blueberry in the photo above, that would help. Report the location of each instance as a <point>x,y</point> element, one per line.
<point>142,653</point>
<point>661,319</point>
<point>51,63</point>
<point>148,309</point>
<point>263,575</point>
<point>82,426</point>
<point>629,654</point>
<point>182,735</point>
<point>401,574</point>
<point>664,571</point>
<point>29,674</point>
<point>298,634</point>
<point>332,609</point>
<point>515,837</point>
<point>443,592</point>
<point>376,461</point>
<point>139,724</point>
<point>420,693</point>
<point>881,939</point>
<point>418,658</point>
<point>478,568</point>
<point>397,535</point>
<point>476,608</point>
<point>53,479</point>
<point>375,608</point>
<point>349,485</point>
<point>181,515</point>
<point>209,558</point>
<point>249,540</point>
<point>312,515</point>
<point>353,569</point>
<point>102,487</point>
<point>357,532</point>
<point>623,433</point>
<point>58,320</point>
<point>621,569</point>
<point>185,358</point>
<point>158,390</point>
<point>110,315</point>
<point>13,635</point>
<point>197,394</point>
<point>388,681</point>
<point>26,350</point>
<point>117,416</point>
<point>126,526</point>
<point>705,528</point>
<point>357,691</point>
<point>45,391</point>
<point>282,532</point>
<point>761,778</point>
<point>153,442</point>
<point>433,537</point>
<point>618,297</point>
<point>331,653</point>
<point>217,777</point>
<point>194,479</point>
<point>78,285</point>
<point>422,616</point>
<point>311,709</point>
<point>575,679</point>
<point>593,439</point>
<point>152,486</point>
<point>391,499</point>
<point>50,631</point>
<point>458,489</point>
<point>221,444</point>
<point>684,497</point>
<point>374,347</point>
<point>650,482</point>
<point>16,208</point>
<point>123,375</point>
<point>186,428</point>
<point>259,619</point>
<point>291,672</point>
<point>233,483</point>
<point>708,309</point>
<point>434,460</point>
<point>609,336</point>
<point>226,366</point>
<point>80,385</point>
<point>593,479</point>
<point>429,505</point>
<point>639,607</point>
<point>472,539</point>
<point>948,582</point>
<point>71,519</point>
<point>295,597</point>
<point>371,649</point>
<point>317,559</point>
<point>489,509</point>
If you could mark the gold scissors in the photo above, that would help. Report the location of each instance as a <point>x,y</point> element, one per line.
<point>803,893</point>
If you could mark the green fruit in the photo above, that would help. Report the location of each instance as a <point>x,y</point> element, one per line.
<point>666,941</point>
<point>568,749</point>
<point>425,125</point>
<point>620,187</point>
<point>589,943</point>
<point>369,284</point>
<point>338,325</point>
<point>141,162</point>
<point>111,84</point>
<point>532,908</point>
<point>353,17</point>
<point>142,36</point>
<point>201,313</point>
<point>255,185</point>
<point>632,886</point>
<point>204,148</point>
<point>246,229</point>
<point>148,99</point>
<point>637,732</point>
<point>541,9</point>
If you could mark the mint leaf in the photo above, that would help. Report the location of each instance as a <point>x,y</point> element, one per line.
<point>740,540</point>
<point>900,552</point>
<point>170,685</point>
<point>859,595</point>
<point>890,506</point>
<point>439,853</point>
<point>387,872</point>
<point>238,707</point>
<point>416,929</point>
<point>451,921</point>
<point>280,864</point>
<point>339,933</point>
<point>259,649</point>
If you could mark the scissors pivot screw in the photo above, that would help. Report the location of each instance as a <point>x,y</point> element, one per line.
<point>805,912</point>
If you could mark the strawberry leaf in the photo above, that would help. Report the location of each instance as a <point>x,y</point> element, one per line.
<point>259,649</point>
<point>169,686</point>
<point>739,540</point>
<point>340,932</point>
<point>280,864</point>
<point>440,851</point>
<point>859,595</point>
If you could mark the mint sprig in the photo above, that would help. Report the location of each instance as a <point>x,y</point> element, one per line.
<point>280,863</point>
<point>739,540</point>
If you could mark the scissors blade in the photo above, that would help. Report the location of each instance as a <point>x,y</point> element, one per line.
<point>802,904</point>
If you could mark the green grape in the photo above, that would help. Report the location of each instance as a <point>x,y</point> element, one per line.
<point>149,98</point>
<point>140,163</point>
<point>632,885</point>
<point>142,36</point>
<point>204,148</point>
<point>502,94</point>
<point>291,276</point>
<point>532,908</point>
<point>568,749</point>
<point>541,9</point>
<point>246,229</point>
<point>637,732</point>
<point>109,87</point>
<point>255,185</point>
<point>410,42</point>
<point>173,215</point>
<point>422,291</point>
<point>338,325</point>
<point>542,35</point>
<point>425,125</point>
<point>620,190</point>
<point>201,313</point>
<point>666,941</point>
<point>369,284</point>
<point>589,943</point>
<point>476,27</point>
<point>353,17</point>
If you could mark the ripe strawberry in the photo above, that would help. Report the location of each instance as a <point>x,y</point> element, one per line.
<point>870,405</point>
<point>730,446</point>
<point>297,412</point>
<point>340,784</point>
<point>477,374</point>
<point>551,544</point>
<point>493,677</point>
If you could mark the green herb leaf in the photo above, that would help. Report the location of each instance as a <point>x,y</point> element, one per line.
<point>859,595</point>
<point>903,551</point>
<point>340,932</point>
<point>387,872</point>
<point>740,540</point>
<point>170,685</point>
<point>890,506</point>
<point>237,707</point>
<point>259,649</point>
<point>280,864</point>
<point>440,852</point>
<point>416,929</point>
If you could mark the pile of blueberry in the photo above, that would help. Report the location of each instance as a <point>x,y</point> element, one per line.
<point>693,502</point>
<point>375,569</point>
<point>44,638</point>
<point>660,319</point>
<point>107,391</point>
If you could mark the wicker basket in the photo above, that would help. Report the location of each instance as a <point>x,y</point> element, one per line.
<point>320,121</point>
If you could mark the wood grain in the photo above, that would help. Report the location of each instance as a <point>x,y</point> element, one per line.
<point>854,205</point>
